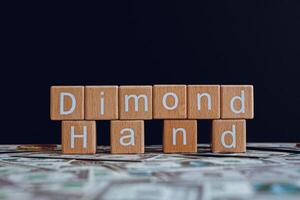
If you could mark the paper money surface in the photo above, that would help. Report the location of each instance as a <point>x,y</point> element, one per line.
<point>266,171</point>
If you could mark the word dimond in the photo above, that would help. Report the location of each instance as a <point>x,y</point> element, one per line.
<point>180,106</point>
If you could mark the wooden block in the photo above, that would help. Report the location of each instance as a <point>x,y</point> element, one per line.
<point>237,102</point>
<point>229,136</point>
<point>101,102</point>
<point>127,137</point>
<point>169,102</point>
<point>135,102</point>
<point>203,101</point>
<point>180,136</point>
<point>67,102</point>
<point>78,137</point>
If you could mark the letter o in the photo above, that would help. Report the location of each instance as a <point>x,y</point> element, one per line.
<point>164,101</point>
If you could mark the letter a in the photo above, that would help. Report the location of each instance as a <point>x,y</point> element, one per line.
<point>131,137</point>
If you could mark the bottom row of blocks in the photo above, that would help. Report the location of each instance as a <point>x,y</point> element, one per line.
<point>179,136</point>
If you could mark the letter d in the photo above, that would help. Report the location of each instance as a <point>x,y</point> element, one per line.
<point>233,135</point>
<point>61,106</point>
<point>242,100</point>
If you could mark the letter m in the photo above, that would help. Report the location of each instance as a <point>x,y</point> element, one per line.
<point>136,102</point>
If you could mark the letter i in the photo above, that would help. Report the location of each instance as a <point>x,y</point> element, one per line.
<point>102,103</point>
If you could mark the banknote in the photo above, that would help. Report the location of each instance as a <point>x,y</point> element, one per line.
<point>97,156</point>
<point>149,190</point>
<point>45,173</point>
<point>283,147</point>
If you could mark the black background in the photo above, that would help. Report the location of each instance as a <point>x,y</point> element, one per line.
<point>138,42</point>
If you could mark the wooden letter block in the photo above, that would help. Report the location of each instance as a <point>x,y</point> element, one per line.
<point>135,102</point>
<point>203,101</point>
<point>229,136</point>
<point>101,102</point>
<point>237,102</point>
<point>180,136</point>
<point>127,137</point>
<point>78,137</point>
<point>169,102</point>
<point>67,102</point>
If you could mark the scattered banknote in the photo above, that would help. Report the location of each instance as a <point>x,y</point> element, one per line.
<point>281,147</point>
<point>265,171</point>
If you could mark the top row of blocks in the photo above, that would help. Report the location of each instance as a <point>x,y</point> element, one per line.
<point>135,102</point>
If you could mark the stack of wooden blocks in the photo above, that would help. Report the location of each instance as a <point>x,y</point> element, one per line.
<point>180,106</point>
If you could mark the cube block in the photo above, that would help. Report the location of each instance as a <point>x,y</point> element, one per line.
<point>170,101</point>
<point>229,136</point>
<point>78,137</point>
<point>180,136</point>
<point>237,102</point>
<point>67,103</point>
<point>203,101</point>
<point>101,102</point>
<point>135,102</point>
<point>127,137</point>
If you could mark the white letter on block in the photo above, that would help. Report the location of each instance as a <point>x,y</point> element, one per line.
<point>233,135</point>
<point>84,136</point>
<point>164,101</point>
<point>242,100</point>
<point>131,137</point>
<point>136,102</point>
<point>175,130</point>
<point>73,104</point>
<point>199,96</point>
<point>101,103</point>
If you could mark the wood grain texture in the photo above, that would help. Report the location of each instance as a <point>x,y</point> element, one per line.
<point>173,112</point>
<point>203,101</point>
<point>78,147</point>
<point>220,129</point>
<point>230,95</point>
<point>135,102</point>
<point>101,102</point>
<point>133,142</point>
<point>174,128</point>
<point>55,94</point>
